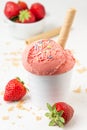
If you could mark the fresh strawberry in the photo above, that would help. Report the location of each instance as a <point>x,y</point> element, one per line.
<point>15,90</point>
<point>60,113</point>
<point>26,16</point>
<point>11,9</point>
<point>38,10</point>
<point>22,5</point>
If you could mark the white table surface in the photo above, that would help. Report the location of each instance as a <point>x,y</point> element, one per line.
<point>11,66</point>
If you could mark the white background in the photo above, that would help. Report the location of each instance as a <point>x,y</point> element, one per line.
<point>77,42</point>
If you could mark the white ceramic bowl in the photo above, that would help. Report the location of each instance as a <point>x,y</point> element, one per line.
<point>49,89</point>
<point>24,31</point>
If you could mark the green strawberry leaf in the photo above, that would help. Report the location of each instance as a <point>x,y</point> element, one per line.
<point>60,124</point>
<point>47,114</point>
<point>62,119</point>
<point>20,80</point>
<point>54,109</point>
<point>55,116</point>
<point>60,113</point>
<point>49,107</point>
<point>24,15</point>
<point>52,123</point>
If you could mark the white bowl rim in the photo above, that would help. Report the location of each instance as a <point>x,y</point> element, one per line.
<point>23,24</point>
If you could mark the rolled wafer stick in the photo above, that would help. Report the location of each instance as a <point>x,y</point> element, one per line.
<point>63,36</point>
<point>48,34</point>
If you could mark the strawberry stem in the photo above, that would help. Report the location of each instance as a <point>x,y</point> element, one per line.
<point>55,116</point>
<point>22,83</point>
<point>20,80</point>
<point>24,15</point>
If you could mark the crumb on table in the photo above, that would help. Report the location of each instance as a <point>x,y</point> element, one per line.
<point>86,90</point>
<point>19,116</point>
<point>77,90</point>
<point>11,108</point>
<point>2,93</point>
<point>5,118</point>
<point>38,118</point>
<point>82,70</point>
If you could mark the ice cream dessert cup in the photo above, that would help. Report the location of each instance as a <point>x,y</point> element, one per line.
<point>49,69</point>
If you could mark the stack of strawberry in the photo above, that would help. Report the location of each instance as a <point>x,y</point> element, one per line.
<point>20,12</point>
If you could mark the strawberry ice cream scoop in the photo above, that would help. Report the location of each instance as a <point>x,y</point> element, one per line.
<point>46,57</point>
<point>43,57</point>
<point>68,64</point>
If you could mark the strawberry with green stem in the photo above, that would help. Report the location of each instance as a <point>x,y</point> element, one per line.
<point>15,90</point>
<point>59,114</point>
<point>26,16</point>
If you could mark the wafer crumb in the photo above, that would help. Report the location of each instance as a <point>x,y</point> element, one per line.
<point>27,109</point>
<point>5,118</point>
<point>20,104</point>
<point>15,53</point>
<point>86,90</point>
<point>82,70</point>
<point>38,118</point>
<point>15,63</point>
<point>11,108</point>
<point>77,90</point>
<point>21,107</point>
<point>19,116</point>
<point>2,93</point>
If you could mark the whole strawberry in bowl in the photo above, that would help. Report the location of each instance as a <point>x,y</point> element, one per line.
<point>22,5</point>
<point>39,10</point>
<point>26,16</point>
<point>22,20</point>
<point>11,9</point>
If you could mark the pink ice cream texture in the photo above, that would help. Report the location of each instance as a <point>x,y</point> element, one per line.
<point>46,57</point>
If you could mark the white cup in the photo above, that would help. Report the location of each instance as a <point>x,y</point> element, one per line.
<point>49,89</point>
